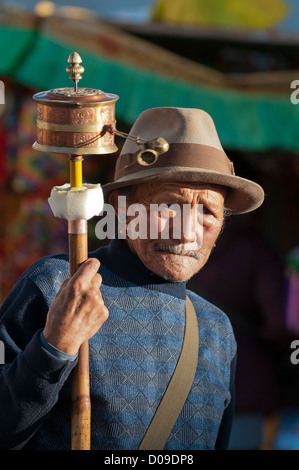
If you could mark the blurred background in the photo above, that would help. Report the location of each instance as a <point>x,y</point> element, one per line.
<point>238,61</point>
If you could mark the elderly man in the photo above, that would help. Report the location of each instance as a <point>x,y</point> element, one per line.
<point>129,301</point>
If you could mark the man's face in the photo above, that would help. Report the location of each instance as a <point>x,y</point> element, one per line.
<point>184,252</point>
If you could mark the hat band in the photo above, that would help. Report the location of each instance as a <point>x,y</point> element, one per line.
<point>181,154</point>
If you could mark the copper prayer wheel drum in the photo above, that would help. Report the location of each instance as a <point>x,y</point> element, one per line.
<point>75,120</point>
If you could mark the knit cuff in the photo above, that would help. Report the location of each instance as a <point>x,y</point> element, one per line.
<point>44,363</point>
<point>56,352</point>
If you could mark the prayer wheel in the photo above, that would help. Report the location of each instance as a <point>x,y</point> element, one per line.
<point>75,120</point>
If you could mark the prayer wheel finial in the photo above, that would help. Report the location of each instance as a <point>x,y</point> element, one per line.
<point>75,69</point>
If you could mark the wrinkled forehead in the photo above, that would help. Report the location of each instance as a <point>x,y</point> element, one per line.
<point>147,191</point>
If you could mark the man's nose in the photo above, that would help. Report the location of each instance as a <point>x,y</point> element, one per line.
<point>189,224</point>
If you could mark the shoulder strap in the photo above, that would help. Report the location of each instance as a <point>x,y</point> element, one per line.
<point>178,387</point>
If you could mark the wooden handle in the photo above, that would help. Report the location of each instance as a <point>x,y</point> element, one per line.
<point>81,408</point>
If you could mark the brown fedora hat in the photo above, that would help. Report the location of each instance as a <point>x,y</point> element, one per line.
<point>194,155</point>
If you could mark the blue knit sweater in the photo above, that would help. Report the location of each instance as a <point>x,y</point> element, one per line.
<point>132,359</point>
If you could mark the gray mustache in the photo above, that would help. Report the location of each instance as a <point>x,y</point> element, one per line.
<point>177,250</point>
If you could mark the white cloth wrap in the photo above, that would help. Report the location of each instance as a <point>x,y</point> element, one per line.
<point>74,204</point>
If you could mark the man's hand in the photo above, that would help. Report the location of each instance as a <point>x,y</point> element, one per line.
<point>78,310</point>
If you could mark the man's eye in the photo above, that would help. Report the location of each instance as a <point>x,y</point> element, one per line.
<point>206,211</point>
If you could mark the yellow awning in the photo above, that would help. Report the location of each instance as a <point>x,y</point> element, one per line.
<point>253,14</point>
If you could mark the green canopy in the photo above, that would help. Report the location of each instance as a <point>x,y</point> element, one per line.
<point>253,121</point>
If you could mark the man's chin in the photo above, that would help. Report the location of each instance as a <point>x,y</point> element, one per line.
<point>174,267</point>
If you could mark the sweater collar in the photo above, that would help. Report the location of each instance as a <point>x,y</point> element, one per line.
<point>119,259</point>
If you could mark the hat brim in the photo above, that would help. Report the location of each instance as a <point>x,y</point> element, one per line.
<point>243,195</point>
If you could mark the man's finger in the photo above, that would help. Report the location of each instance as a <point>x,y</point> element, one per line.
<point>86,271</point>
<point>97,281</point>
<point>64,284</point>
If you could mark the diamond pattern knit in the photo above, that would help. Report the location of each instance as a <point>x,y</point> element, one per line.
<point>132,358</point>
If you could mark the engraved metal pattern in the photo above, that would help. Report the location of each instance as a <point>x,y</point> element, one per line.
<point>82,116</point>
<point>58,139</point>
<point>72,128</point>
<point>40,111</point>
<point>71,92</point>
<point>54,114</point>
